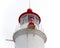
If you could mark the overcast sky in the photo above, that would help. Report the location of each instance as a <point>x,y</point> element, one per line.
<point>49,11</point>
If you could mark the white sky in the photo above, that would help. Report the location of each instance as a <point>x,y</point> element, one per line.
<point>49,11</point>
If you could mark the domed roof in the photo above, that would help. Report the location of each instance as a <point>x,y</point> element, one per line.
<point>29,11</point>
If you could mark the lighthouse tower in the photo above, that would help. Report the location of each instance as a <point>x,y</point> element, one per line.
<point>29,36</point>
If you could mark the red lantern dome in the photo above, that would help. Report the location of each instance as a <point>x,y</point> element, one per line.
<point>29,11</point>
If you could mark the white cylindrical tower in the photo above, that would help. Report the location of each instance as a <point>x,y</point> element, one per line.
<point>28,36</point>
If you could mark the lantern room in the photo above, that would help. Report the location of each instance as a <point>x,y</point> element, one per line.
<point>29,17</point>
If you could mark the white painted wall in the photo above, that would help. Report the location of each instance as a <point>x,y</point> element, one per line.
<point>29,42</point>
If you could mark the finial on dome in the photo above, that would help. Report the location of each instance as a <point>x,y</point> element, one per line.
<point>29,10</point>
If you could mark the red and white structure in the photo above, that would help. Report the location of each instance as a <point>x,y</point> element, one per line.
<point>29,36</point>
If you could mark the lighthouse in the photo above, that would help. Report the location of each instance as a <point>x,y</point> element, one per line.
<point>29,36</point>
